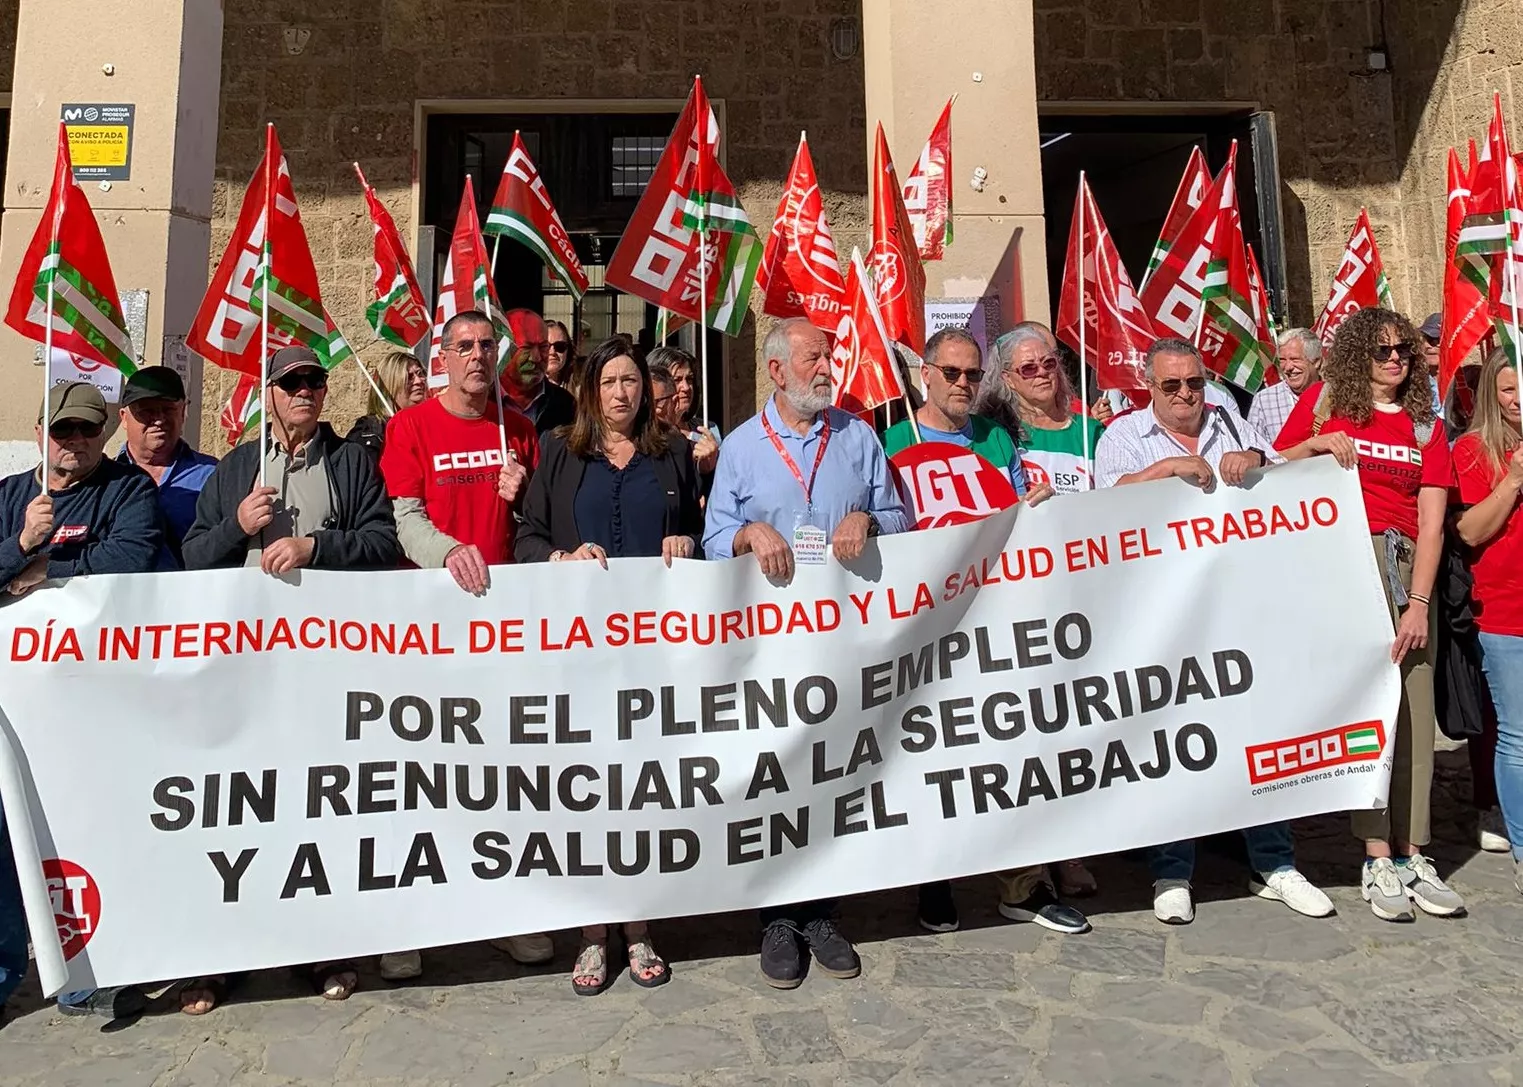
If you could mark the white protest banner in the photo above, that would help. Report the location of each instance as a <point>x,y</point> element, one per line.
<point>223,771</point>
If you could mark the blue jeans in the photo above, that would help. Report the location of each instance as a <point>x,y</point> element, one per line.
<point>1269,850</point>
<point>1502,661</point>
<point>13,933</point>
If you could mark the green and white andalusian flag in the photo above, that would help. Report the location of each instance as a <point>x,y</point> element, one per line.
<point>1229,333</point>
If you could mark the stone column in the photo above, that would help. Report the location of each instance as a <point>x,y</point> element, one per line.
<point>917,55</point>
<point>165,58</point>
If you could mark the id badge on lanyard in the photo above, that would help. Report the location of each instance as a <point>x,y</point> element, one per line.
<point>810,544</point>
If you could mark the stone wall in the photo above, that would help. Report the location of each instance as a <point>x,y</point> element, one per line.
<point>350,95</point>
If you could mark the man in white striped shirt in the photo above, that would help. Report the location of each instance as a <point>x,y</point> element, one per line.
<point>1179,433</point>
<point>1300,359</point>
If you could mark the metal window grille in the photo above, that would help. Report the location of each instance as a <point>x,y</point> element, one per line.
<point>634,160</point>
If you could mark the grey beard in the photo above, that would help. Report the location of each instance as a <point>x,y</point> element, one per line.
<point>807,403</point>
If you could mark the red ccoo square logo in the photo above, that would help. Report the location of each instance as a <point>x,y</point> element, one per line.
<point>1360,742</point>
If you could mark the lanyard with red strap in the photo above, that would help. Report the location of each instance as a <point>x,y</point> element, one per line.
<point>819,455</point>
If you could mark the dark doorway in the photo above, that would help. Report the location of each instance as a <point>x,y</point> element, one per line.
<point>595,167</point>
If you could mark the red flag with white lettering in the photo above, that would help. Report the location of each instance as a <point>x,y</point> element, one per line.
<point>1171,295</point>
<point>399,313</point>
<point>928,190</point>
<point>522,210</point>
<point>863,366</point>
<point>1116,329</point>
<point>800,274</point>
<point>898,276</point>
<point>1187,199</point>
<point>1466,311</point>
<point>467,284</point>
<point>1359,283</point>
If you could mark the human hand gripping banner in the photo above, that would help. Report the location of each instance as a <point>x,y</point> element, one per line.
<point>225,771</point>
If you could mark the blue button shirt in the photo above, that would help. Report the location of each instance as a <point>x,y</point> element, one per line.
<point>178,490</point>
<point>752,483</point>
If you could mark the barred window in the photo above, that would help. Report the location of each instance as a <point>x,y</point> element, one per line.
<point>634,160</point>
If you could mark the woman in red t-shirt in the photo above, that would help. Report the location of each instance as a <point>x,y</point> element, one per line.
<point>1490,480</point>
<point>1374,410</point>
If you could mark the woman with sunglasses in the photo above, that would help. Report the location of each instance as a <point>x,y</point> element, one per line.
<point>562,353</point>
<point>1490,481</point>
<point>1374,410</point>
<point>404,382</point>
<point>617,483</point>
<point>1033,394</point>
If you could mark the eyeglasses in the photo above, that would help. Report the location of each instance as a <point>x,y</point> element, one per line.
<point>1029,370</point>
<point>954,373</point>
<point>1170,386</point>
<point>465,347</point>
<point>303,379</point>
<point>1402,351</point>
<point>560,347</point>
<point>65,429</point>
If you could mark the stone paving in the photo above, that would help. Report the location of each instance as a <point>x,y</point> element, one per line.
<point>1250,994</point>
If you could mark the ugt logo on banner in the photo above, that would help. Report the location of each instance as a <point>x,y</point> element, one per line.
<point>76,904</point>
<point>946,484</point>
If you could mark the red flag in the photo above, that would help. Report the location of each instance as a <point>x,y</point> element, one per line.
<point>1171,295</point>
<point>522,210</point>
<point>898,276</point>
<point>1465,308</point>
<point>66,261</point>
<point>226,328</point>
<point>689,201</point>
<point>800,274</point>
<point>1187,200</point>
<point>241,413</point>
<point>928,190</point>
<point>399,313</point>
<point>1268,335</point>
<point>1116,330</point>
<point>863,365</point>
<point>467,283</point>
<point>1229,335</point>
<point>1359,283</point>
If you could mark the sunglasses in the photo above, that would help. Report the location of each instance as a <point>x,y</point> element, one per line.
<point>65,429</point>
<point>1402,351</point>
<point>305,379</point>
<point>560,347</point>
<point>954,373</point>
<point>1029,370</point>
<point>1170,386</point>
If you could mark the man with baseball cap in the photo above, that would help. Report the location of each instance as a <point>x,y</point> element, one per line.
<point>322,504</point>
<point>152,414</point>
<point>95,516</point>
<point>1432,330</point>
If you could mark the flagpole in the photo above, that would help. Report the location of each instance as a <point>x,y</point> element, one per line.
<point>703,310</point>
<point>47,377</point>
<point>264,311</point>
<point>1089,480</point>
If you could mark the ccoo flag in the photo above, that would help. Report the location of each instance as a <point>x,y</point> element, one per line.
<point>1229,335</point>
<point>928,190</point>
<point>689,205</point>
<point>467,284</point>
<point>800,274</point>
<point>1171,295</point>
<point>1466,313</point>
<point>522,210</point>
<point>399,313</point>
<point>1359,283</point>
<point>1187,200</point>
<point>67,261</point>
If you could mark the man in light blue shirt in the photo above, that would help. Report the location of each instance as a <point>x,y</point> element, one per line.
<point>790,479</point>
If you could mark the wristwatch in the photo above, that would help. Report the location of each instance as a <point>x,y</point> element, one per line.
<point>873,528</point>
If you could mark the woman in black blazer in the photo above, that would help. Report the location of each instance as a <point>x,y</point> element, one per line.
<point>617,483</point>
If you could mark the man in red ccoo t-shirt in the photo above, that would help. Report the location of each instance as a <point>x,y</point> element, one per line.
<point>443,462</point>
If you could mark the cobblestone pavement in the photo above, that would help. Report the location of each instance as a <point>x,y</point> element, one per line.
<point>1248,994</point>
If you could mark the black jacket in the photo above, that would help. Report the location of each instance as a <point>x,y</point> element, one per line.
<point>362,536</point>
<point>1461,698</point>
<point>370,432</point>
<point>549,512</point>
<point>558,410</point>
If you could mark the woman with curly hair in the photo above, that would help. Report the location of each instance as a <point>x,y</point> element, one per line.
<point>1490,481</point>
<point>1373,410</point>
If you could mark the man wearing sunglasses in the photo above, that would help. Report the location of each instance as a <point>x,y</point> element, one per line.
<point>524,381</point>
<point>323,503</point>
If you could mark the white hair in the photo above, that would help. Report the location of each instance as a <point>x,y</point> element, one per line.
<point>1311,343</point>
<point>779,342</point>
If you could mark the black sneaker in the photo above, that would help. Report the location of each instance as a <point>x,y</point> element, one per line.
<point>782,964</point>
<point>938,912</point>
<point>113,1004</point>
<point>1043,907</point>
<point>831,950</point>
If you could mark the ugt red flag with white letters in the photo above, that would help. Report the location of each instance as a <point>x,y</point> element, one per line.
<point>267,252</point>
<point>522,210</point>
<point>399,313</point>
<point>928,190</point>
<point>800,275</point>
<point>898,276</point>
<point>467,284</point>
<point>68,255</point>
<point>1359,283</point>
<point>1097,290</point>
<point>863,365</point>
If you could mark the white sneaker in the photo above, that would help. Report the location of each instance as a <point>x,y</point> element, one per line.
<point>1381,887</point>
<point>1172,903</point>
<point>1293,889</point>
<point>401,965</point>
<point>1431,894</point>
<point>529,950</point>
<point>1493,833</point>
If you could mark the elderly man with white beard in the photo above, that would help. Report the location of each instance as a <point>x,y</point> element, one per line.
<point>793,482</point>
